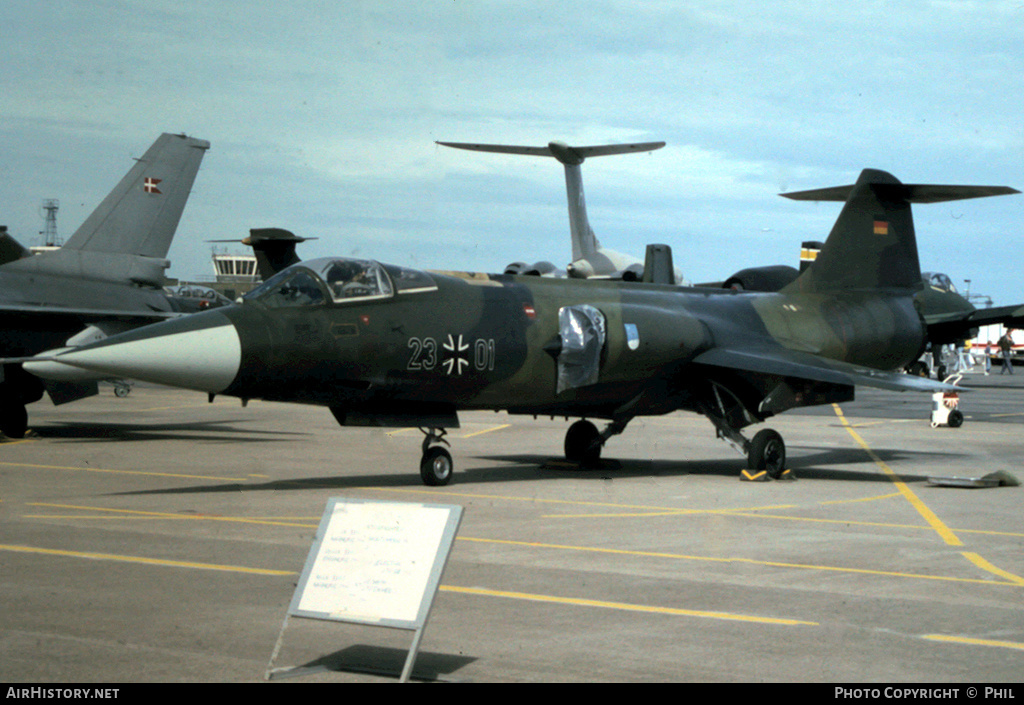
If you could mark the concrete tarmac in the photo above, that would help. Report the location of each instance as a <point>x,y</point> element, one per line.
<point>160,538</point>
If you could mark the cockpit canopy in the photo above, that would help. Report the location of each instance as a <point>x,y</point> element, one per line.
<point>338,280</point>
<point>938,280</point>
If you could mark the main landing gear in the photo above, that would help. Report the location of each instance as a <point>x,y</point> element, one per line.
<point>436,465</point>
<point>13,417</point>
<point>17,388</point>
<point>766,451</point>
<point>583,441</point>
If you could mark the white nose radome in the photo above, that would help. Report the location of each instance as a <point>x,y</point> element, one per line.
<point>206,359</point>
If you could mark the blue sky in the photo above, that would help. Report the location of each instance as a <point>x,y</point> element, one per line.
<point>323,116</point>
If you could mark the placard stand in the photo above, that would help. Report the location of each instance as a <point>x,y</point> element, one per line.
<point>373,563</point>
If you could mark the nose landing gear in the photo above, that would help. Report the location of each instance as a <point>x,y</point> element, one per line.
<point>436,466</point>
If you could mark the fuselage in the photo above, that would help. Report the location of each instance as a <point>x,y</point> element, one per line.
<point>475,341</point>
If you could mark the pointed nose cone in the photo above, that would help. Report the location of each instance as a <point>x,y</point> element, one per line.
<point>201,352</point>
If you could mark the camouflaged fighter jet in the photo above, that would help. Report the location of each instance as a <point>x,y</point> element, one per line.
<point>382,345</point>
<point>107,278</point>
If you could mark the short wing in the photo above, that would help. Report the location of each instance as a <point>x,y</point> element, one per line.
<point>799,365</point>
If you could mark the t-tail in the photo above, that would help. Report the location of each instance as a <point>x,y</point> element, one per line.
<point>274,249</point>
<point>872,245</point>
<point>128,235</point>
<point>589,258</point>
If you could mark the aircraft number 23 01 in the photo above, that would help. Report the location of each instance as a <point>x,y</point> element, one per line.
<point>454,355</point>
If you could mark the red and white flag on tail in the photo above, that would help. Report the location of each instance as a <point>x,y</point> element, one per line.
<point>149,185</point>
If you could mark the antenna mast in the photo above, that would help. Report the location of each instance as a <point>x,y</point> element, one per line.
<point>50,236</point>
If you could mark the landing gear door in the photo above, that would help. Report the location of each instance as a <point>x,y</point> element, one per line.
<point>583,332</point>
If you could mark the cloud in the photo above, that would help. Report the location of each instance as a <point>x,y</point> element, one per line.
<point>323,116</point>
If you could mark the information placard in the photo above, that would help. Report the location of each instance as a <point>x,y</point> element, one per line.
<point>376,562</point>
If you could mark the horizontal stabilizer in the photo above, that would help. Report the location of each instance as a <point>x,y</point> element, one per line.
<point>911,193</point>
<point>274,249</point>
<point>559,150</point>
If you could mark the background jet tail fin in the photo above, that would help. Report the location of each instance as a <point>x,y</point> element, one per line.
<point>872,244</point>
<point>274,249</point>
<point>584,243</point>
<point>127,237</point>
<point>140,215</point>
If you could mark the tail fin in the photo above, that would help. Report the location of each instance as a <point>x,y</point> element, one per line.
<point>128,235</point>
<point>274,249</point>
<point>585,245</point>
<point>872,244</point>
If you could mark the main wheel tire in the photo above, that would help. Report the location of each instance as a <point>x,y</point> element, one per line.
<point>436,467</point>
<point>918,369</point>
<point>13,419</point>
<point>768,453</point>
<point>582,443</point>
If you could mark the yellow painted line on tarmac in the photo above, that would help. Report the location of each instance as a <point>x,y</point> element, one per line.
<point>184,406</point>
<point>400,431</point>
<point>105,513</point>
<point>581,602</point>
<point>745,512</point>
<point>465,435</point>
<point>874,498</point>
<point>486,430</point>
<point>545,500</point>
<point>886,422</point>
<point>754,512</point>
<point>929,516</point>
<point>747,561</point>
<point>850,522</point>
<point>944,531</point>
<point>975,642</point>
<point>986,566</point>
<point>35,466</point>
<point>651,609</point>
<point>144,561</point>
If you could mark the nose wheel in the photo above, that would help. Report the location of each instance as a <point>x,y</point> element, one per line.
<point>436,466</point>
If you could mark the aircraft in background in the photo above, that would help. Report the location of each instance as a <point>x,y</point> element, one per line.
<point>107,278</point>
<point>589,258</point>
<point>274,249</point>
<point>382,345</point>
